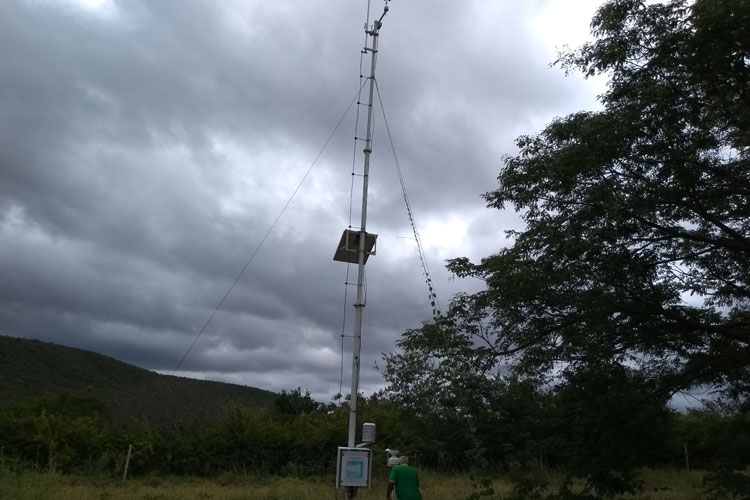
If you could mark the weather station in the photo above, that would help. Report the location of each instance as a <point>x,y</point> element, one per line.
<point>354,462</point>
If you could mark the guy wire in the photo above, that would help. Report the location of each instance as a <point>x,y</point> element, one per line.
<point>362,82</point>
<point>432,295</point>
<point>270,230</point>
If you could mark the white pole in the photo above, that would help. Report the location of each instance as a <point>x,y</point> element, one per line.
<point>127,463</point>
<point>359,304</point>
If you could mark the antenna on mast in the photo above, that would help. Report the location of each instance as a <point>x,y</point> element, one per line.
<point>354,464</point>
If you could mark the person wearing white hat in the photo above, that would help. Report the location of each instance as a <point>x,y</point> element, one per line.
<point>405,480</point>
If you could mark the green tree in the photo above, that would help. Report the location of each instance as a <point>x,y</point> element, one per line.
<point>440,377</point>
<point>637,240</point>
<point>451,380</point>
<point>635,256</point>
<point>713,437</point>
<point>296,403</point>
<point>607,426</point>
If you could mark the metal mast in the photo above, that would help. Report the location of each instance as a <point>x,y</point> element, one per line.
<point>355,247</point>
<point>359,303</point>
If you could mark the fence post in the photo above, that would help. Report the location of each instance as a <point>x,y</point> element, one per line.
<point>127,463</point>
<point>687,459</point>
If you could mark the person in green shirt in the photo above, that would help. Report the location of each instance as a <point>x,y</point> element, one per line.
<point>405,480</point>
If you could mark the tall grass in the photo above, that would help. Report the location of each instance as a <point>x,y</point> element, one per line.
<point>15,485</point>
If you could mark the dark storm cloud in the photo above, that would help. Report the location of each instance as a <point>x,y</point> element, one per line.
<point>146,148</point>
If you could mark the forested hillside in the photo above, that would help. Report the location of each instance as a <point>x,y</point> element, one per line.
<point>80,427</point>
<point>33,371</point>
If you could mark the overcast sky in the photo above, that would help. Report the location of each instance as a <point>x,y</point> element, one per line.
<point>146,148</point>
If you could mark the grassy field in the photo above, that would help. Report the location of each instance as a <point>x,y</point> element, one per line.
<point>659,485</point>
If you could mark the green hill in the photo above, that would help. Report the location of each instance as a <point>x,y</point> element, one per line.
<point>32,372</point>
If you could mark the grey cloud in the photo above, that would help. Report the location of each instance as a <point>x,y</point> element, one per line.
<point>146,150</point>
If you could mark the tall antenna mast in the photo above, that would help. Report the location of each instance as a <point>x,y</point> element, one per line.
<point>357,246</point>
<point>359,304</point>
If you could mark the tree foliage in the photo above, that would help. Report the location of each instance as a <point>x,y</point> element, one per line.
<point>450,383</point>
<point>295,403</point>
<point>637,239</point>
<point>633,267</point>
<point>606,428</point>
<point>74,435</point>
